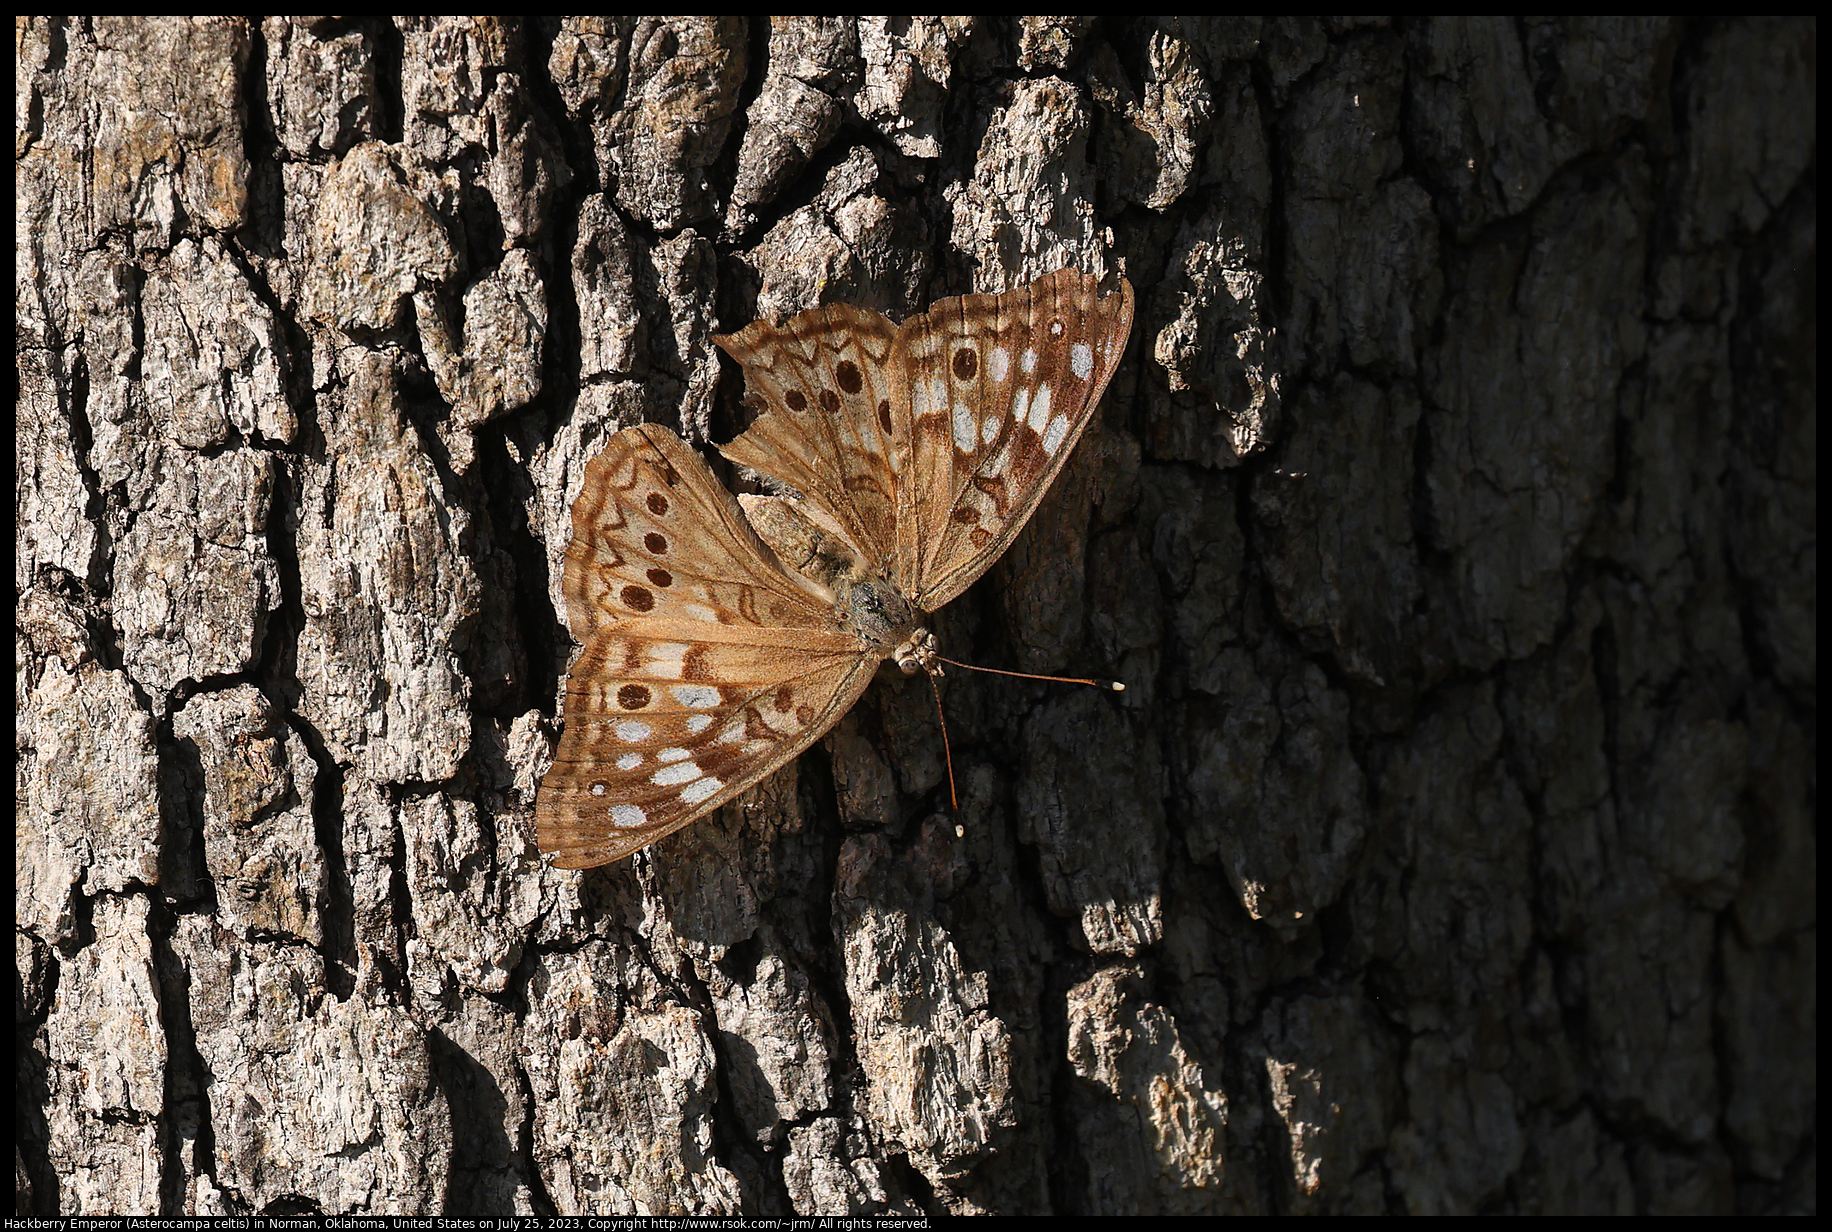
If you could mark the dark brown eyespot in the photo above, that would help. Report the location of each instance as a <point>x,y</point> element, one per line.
<point>830,402</point>
<point>796,400</point>
<point>884,416</point>
<point>637,599</point>
<point>966,363</point>
<point>655,543</point>
<point>658,504</point>
<point>661,577</point>
<point>966,513</point>
<point>847,374</point>
<point>633,696</point>
<point>785,697</point>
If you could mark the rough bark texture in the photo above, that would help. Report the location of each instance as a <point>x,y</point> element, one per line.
<point>1452,520</point>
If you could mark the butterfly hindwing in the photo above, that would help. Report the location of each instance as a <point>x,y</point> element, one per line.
<point>655,536</point>
<point>824,382</point>
<point>997,390</point>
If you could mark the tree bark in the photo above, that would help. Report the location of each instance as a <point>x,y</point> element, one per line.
<point>1451,520</point>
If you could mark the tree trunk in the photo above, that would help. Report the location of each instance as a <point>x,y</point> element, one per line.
<point>1450,519</point>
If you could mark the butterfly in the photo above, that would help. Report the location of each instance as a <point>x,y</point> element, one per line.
<point>915,454</point>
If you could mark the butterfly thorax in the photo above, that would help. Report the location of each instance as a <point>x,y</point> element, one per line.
<point>871,607</point>
<point>865,600</point>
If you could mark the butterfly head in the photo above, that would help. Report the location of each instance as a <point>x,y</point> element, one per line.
<point>918,654</point>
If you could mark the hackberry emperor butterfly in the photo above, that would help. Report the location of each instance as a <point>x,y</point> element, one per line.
<point>918,452</point>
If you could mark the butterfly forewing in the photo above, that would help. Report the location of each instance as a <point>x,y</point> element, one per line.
<point>824,382</point>
<point>998,389</point>
<point>656,537</point>
<point>705,663</point>
<point>667,720</point>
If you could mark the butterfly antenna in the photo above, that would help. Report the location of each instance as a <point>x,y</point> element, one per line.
<point>947,754</point>
<point>1116,685</point>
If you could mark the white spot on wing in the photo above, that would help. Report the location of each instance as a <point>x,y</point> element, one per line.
<point>693,793</point>
<point>629,761</point>
<point>1029,362</point>
<point>938,395</point>
<point>627,815</point>
<point>697,723</point>
<point>963,427</point>
<point>1059,428</point>
<point>1081,360</point>
<point>699,696</point>
<point>1000,363</point>
<point>733,733</point>
<point>668,755</point>
<point>672,776</point>
<point>1020,403</point>
<point>989,428</point>
<point>665,659</point>
<point>1039,409</point>
<point>699,611</point>
<point>630,731</point>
